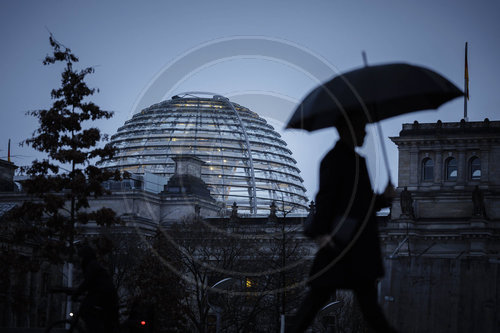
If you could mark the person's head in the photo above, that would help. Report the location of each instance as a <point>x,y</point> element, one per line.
<point>352,131</point>
<point>86,254</point>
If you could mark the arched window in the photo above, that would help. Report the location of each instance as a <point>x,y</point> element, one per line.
<point>475,168</point>
<point>427,169</point>
<point>451,169</point>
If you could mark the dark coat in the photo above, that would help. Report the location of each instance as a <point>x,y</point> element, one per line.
<point>99,308</point>
<point>345,190</point>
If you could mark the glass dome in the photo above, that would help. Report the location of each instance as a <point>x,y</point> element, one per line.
<point>245,160</point>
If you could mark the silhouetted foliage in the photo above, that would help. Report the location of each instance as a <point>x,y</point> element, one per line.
<point>191,256</point>
<point>59,186</point>
<point>153,289</point>
<point>288,266</point>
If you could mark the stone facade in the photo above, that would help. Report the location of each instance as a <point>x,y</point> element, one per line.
<point>6,176</point>
<point>27,297</point>
<point>442,260</point>
<point>143,212</point>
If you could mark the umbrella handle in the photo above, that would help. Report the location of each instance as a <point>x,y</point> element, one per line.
<point>384,152</point>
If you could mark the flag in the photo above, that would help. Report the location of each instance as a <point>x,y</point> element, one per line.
<point>466,74</point>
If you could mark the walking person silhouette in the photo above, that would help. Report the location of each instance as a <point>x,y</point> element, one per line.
<point>345,227</point>
<point>99,308</point>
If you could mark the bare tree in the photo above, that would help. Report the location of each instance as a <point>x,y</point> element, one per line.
<point>287,260</point>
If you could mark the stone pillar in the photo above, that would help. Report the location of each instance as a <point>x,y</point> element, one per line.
<point>403,166</point>
<point>484,158</point>
<point>461,168</point>
<point>414,166</point>
<point>438,167</point>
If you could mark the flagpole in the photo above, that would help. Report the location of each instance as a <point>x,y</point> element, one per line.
<point>365,61</point>
<point>466,84</point>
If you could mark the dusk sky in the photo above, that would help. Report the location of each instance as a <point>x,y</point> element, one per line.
<point>138,46</point>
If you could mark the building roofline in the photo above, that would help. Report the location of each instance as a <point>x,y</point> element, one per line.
<point>439,129</point>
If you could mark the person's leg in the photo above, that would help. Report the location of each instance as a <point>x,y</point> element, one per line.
<point>94,322</point>
<point>315,299</point>
<point>372,312</point>
<point>93,316</point>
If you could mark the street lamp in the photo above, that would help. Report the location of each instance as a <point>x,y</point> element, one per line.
<point>222,284</point>
<point>330,309</point>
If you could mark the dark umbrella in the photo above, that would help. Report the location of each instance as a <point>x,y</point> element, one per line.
<point>375,93</point>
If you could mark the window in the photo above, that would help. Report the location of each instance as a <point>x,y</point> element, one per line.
<point>427,169</point>
<point>451,169</point>
<point>475,168</point>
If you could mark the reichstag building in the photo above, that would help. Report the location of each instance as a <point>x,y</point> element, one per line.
<point>244,159</point>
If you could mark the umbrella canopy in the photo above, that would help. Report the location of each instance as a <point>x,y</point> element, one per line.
<point>373,93</point>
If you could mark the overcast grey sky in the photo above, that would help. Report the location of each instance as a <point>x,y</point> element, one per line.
<point>131,43</point>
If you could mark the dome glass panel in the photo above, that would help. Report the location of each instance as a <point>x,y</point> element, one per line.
<point>246,160</point>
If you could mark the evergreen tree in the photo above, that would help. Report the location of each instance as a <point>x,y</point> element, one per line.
<point>60,185</point>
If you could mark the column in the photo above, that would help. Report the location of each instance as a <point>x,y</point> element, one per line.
<point>484,157</point>
<point>438,167</point>
<point>414,165</point>
<point>461,167</point>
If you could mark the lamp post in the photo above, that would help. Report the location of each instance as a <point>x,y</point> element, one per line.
<point>69,268</point>
<point>330,309</point>
<point>222,284</point>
